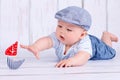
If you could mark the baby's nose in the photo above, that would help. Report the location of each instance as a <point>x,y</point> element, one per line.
<point>63,31</point>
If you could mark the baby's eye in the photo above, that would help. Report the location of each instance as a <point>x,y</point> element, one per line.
<point>69,30</point>
<point>59,26</point>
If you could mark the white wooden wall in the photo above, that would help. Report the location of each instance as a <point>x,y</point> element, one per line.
<point>27,20</point>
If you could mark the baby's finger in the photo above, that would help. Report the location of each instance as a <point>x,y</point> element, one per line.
<point>62,65</point>
<point>59,63</point>
<point>37,56</point>
<point>23,46</point>
<point>67,65</point>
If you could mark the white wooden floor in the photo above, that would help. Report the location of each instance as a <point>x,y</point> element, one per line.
<point>44,69</point>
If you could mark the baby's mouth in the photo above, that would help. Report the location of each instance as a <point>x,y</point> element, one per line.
<point>61,37</point>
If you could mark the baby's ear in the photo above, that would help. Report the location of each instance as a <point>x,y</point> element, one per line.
<point>83,34</point>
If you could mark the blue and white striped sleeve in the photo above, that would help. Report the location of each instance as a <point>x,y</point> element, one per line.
<point>55,40</point>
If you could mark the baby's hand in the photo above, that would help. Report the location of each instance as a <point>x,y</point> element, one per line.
<point>31,49</point>
<point>66,63</point>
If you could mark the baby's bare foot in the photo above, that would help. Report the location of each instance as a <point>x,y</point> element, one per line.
<point>114,38</point>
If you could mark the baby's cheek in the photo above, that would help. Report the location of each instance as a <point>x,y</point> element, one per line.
<point>70,40</point>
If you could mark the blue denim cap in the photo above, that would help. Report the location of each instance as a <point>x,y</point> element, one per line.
<point>75,15</point>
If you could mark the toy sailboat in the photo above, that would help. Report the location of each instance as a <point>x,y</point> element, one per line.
<point>12,51</point>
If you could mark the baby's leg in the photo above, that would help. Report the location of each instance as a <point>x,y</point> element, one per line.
<point>108,38</point>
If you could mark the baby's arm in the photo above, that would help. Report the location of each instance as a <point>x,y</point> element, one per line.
<point>79,59</point>
<point>39,45</point>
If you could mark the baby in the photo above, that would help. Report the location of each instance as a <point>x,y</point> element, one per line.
<point>73,45</point>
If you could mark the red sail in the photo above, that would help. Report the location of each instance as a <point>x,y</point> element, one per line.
<point>12,50</point>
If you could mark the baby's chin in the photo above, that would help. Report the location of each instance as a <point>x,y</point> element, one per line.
<point>62,41</point>
<point>66,43</point>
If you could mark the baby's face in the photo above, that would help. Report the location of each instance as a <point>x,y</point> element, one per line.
<point>69,34</point>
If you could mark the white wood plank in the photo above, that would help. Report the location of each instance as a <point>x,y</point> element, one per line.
<point>65,3</point>
<point>14,22</point>
<point>104,76</point>
<point>42,18</point>
<point>47,71</point>
<point>23,21</point>
<point>97,9</point>
<point>0,27</point>
<point>8,21</point>
<point>114,20</point>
